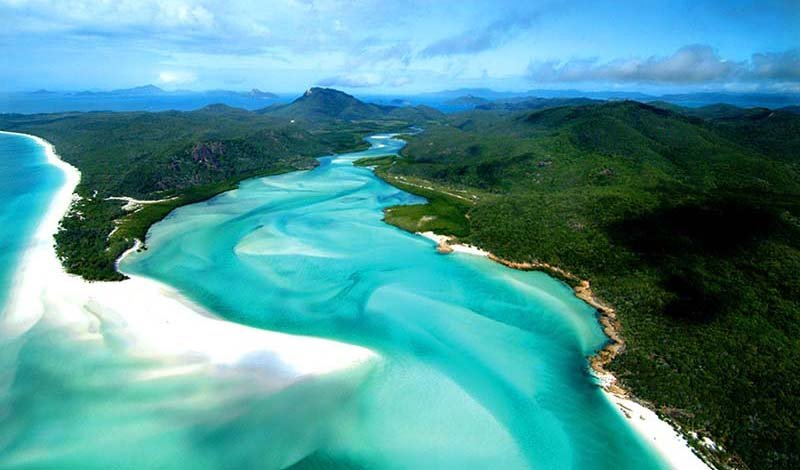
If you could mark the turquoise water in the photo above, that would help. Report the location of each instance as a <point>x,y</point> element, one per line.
<point>74,399</point>
<point>484,366</point>
<point>27,183</point>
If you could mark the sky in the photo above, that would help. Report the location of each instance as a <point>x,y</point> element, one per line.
<point>382,46</point>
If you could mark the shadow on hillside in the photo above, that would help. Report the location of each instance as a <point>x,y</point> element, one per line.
<point>699,250</point>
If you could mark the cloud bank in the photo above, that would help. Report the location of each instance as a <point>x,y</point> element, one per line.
<point>692,64</point>
<point>286,45</point>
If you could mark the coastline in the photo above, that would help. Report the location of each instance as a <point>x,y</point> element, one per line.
<point>156,321</point>
<point>42,238</point>
<point>667,441</point>
<point>145,318</point>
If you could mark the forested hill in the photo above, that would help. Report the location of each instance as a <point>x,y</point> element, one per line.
<point>182,157</point>
<point>320,105</point>
<point>687,221</point>
<point>153,155</point>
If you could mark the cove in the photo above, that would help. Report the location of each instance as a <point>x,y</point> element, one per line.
<point>482,366</point>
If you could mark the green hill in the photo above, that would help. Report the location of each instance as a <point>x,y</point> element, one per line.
<point>467,100</point>
<point>531,103</point>
<point>185,157</point>
<point>776,132</point>
<point>791,109</point>
<point>686,220</point>
<point>689,226</point>
<point>321,105</point>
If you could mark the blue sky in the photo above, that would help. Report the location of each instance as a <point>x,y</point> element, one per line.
<point>401,47</point>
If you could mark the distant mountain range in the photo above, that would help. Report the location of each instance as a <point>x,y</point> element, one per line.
<point>471,97</point>
<point>154,98</point>
<point>532,104</point>
<point>152,90</point>
<point>141,98</point>
<point>492,95</point>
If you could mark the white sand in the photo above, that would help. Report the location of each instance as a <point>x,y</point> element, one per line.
<point>149,319</point>
<point>668,442</point>
<point>132,204</point>
<point>457,247</point>
<point>156,321</point>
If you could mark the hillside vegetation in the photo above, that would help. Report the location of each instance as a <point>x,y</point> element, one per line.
<point>687,221</point>
<point>319,106</point>
<point>184,157</point>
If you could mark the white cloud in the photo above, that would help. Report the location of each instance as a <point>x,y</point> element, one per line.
<point>365,80</point>
<point>87,15</point>
<point>400,81</point>
<point>478,39</point>
<point>690,64</point>
<point>693,64</point>
<point>358,80</point>
<point>176,77</point>
<point>357,43</point>
<point>779,66</point>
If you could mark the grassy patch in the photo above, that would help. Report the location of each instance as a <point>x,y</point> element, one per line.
<point>442,213</point>
<point>376,161</point>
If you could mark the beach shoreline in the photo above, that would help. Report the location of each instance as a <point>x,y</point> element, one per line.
<point>153,320</point>
<point>159,322</point>
<point>667,441</point>
<point>41,239</point>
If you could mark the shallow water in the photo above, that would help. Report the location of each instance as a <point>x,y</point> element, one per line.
<point>483,366</point>
<point>74,394</point>
<point>27,183</point>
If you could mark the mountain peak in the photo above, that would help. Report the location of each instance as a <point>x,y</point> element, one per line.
<point>328,100</point>
<point>320,91</point>
<point>256,93</point>
<point>325,103</point>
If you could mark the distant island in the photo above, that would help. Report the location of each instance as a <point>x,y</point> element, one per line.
<point>153,98</point>
<point>152,90</point>
<point>467,100</point>
<point>141,98</point>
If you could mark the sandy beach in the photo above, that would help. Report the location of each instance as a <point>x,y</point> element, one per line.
<point>444,246</point>
<point>155,321</point>
<point>148,319</point>
<point>665,439</point>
